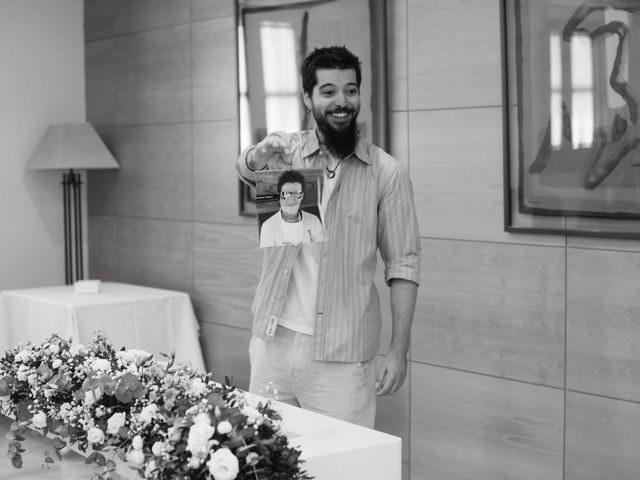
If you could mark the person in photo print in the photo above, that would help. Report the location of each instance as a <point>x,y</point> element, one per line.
<point>291,225</point>
<point>317,316</point>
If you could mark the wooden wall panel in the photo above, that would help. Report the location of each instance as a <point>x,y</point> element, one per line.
<point>399,137</point>
<point>602,438</point>
<point>397,55</point>
<point>393,417</point>
<point>492,308</point>
<point>102,237</point>
<point>207,9</point>
<point>227,262</point>
<point>472,427</point>
<point>454,54</point>
<point>215,181</point>
<point>142,78</point>
<point>632,245</point>
<point>106,18</point>
<point>458,190</point>
<point>155,175</point>
<point>226,353</point>
<point>603,323</point>
<point>215,92</point>
<point>156,253</point>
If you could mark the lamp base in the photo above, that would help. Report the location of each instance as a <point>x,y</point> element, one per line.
<point>72,199</point>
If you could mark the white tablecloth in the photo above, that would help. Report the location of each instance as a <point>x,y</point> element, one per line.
<point>151,319</point>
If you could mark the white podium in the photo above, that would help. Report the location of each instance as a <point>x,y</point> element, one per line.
<point>331,450</point>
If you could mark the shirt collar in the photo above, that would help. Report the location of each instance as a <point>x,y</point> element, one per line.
<point>312,145</point>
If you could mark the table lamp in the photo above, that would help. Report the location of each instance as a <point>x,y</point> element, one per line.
<point>72,147</point>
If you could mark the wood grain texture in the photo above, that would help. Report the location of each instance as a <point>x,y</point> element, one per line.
<point>215,181</point>
<point>602,438</point>
<point>397,55</point>
<point>227,263</point>
<point>102,238</point>
<point>603,323</point>
<point>106,18</point>
<point>140,78</point>
<point>155,253</point>
<point>207,9</point>
<point>473,427</point>
<point>214,79</point>
<point>155,174</point>
<point>456,167</point>
<point>454,54</point>
<point>393,417</point>
<point>399,136</point>
<point>226,353</point>
<point>630,244</point>
<point>496,309</point>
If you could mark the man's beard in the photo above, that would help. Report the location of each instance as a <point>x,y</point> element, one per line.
<point>340,143</point>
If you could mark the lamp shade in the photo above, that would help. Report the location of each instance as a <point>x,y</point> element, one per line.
<point>71,146</point>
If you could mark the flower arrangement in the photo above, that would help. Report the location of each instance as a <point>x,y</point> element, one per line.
<point>163,419</point>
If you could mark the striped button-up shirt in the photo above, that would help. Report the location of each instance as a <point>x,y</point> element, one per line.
<point>370,208</point>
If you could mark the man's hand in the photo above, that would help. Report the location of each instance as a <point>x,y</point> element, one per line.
<point>273,151</point>
<point>392,374</point>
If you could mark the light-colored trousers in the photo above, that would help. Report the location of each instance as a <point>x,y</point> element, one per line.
<point>285,369</point>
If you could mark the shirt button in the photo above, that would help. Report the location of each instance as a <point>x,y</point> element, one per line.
<point>285,271</point>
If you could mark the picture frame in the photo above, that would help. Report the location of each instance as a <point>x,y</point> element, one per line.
<point>571,117</point>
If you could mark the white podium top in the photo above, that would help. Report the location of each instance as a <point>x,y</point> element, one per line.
<point>150,319</point>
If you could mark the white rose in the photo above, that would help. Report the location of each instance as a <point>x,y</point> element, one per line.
<point>224,427</point>
<point>198,439</point>
<point>95,435</point>
<point>223,465</point>
<point>76,349</point>
<point>92,396</point>
<point>196,387</point>
<point>57,363</point>
<point>135,458</point>
<point>54,349</point>
<point>157,448</point>
<point>64,411</point>
<point>23,356</point>
<point>23,373</point>
<point>148,413</point>
<point>202,418</point>
<point>39,420</point>
<point>101,364</point>
<point>115,422</point>
<point>32,379</point>
<point>137,443</point>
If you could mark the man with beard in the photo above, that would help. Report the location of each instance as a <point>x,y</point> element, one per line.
<point>317,316</point>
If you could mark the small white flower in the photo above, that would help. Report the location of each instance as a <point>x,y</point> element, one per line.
<point>224,427</point>
<point>39,420</point>
<point>57,363</point>
<point>23,373</point>
<point>148,413</point>
<point>196,387</point>
<point>76,349</point>
<point>223,465</point>
<point>137,443</point>
<point>32,379</point>
<point>95,435</point>
<point>92,396</point>
<point>23,356</point>
<point>202,418</point>
<point>64,410</point>
<point>115,422</point>
<point>157,448</point>
<point>53,349</point>
<point>252,458</point>
<point>198,440</point>
<point>135,458</point>
<point>101,364</point>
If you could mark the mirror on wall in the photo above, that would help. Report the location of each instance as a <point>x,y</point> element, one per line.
<point>274,36</point>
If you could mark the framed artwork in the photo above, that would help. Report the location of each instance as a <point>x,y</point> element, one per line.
<point>571,116</point>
